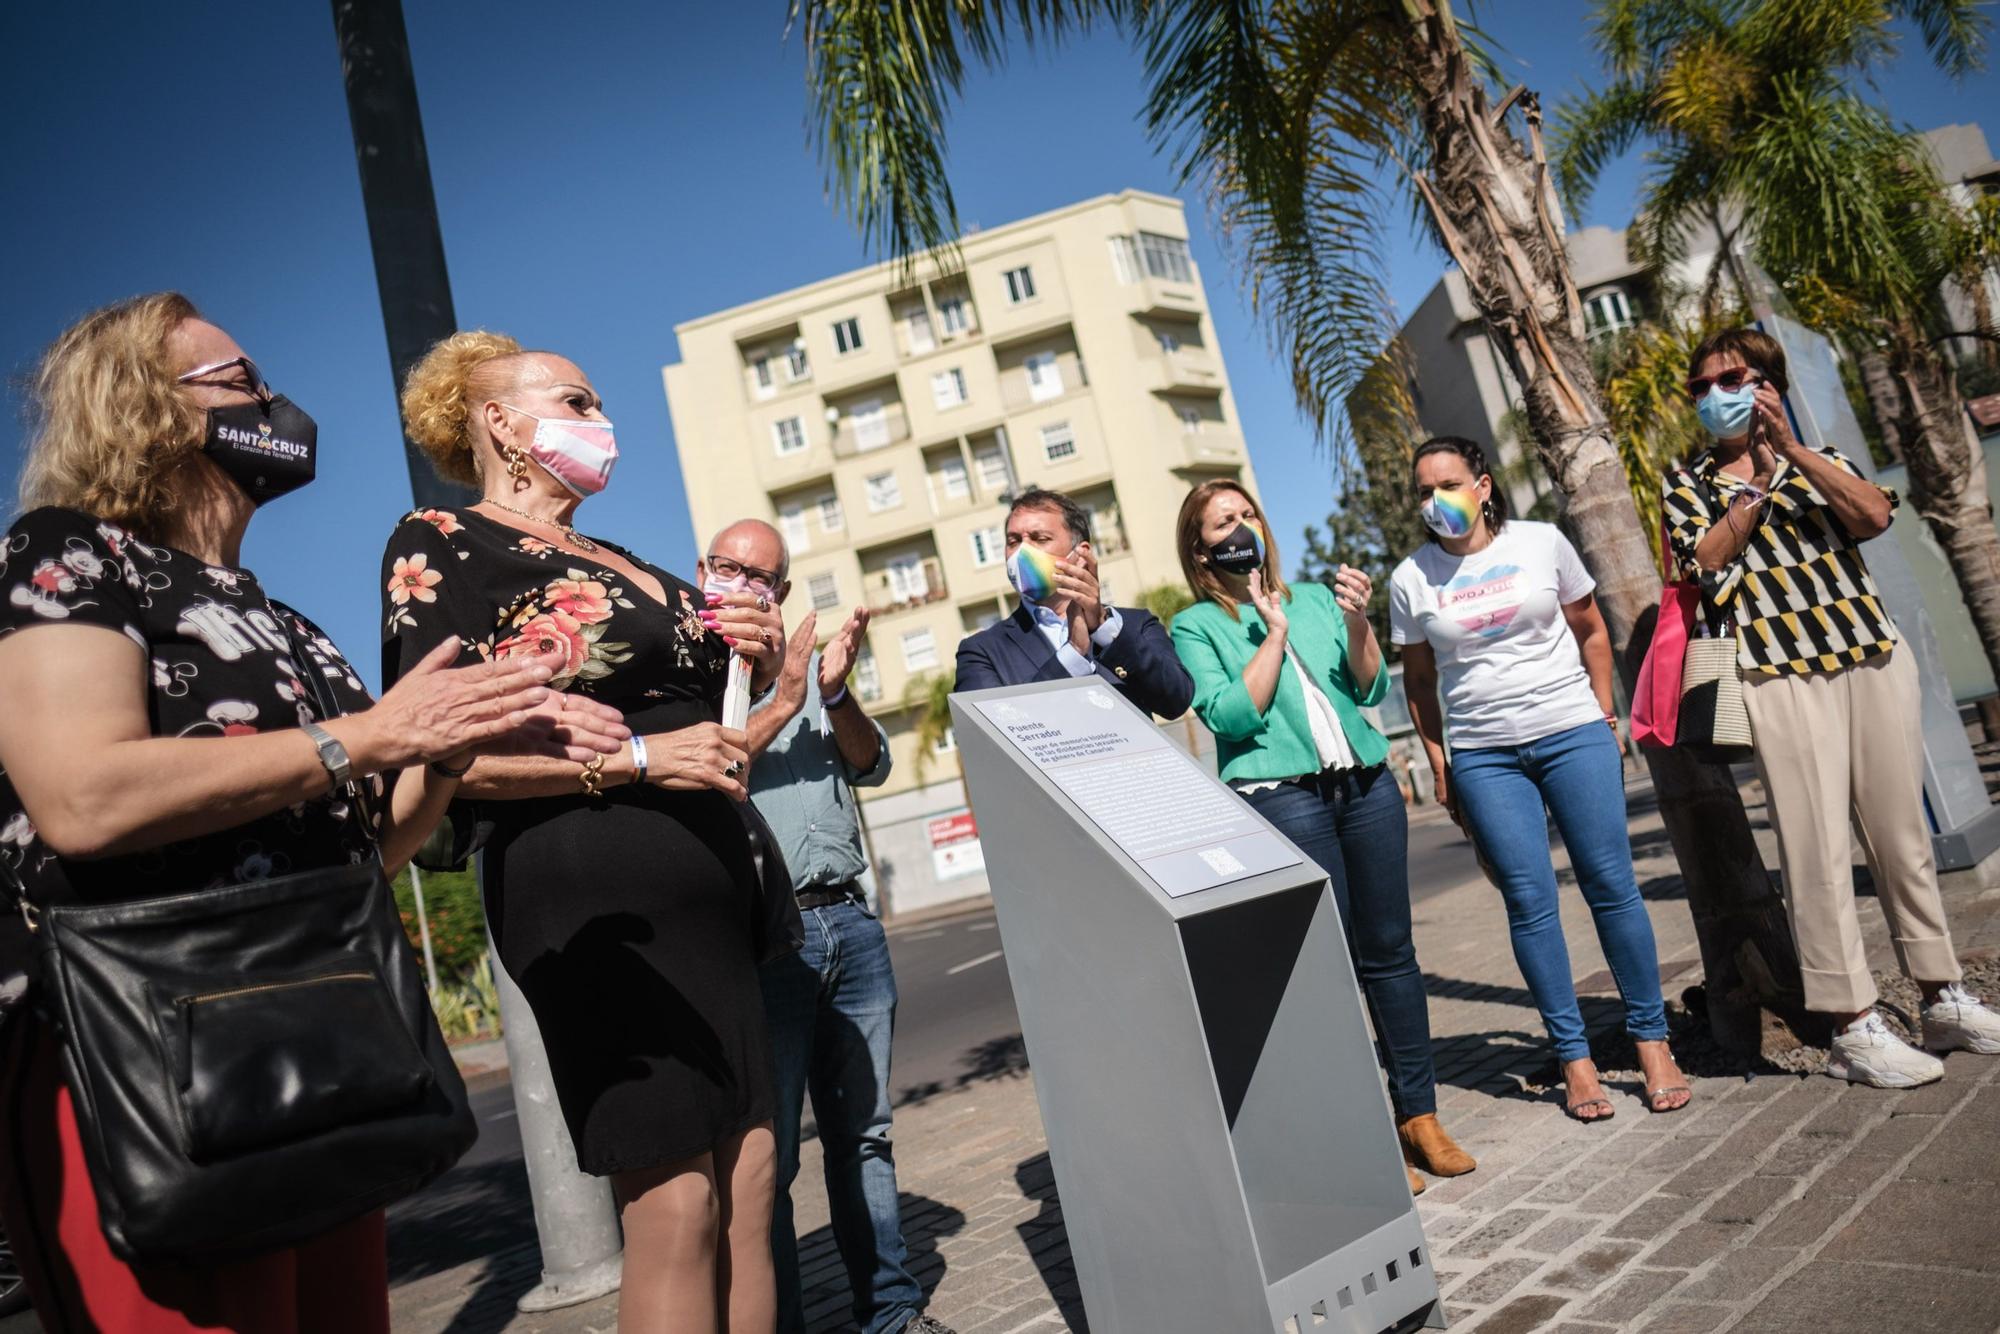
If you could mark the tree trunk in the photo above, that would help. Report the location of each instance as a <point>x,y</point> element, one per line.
<point>1880,385</point>
<point>1494,206</point>
<point>1948,477</point>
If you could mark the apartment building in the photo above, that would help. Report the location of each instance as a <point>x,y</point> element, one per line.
<point>882,417</point>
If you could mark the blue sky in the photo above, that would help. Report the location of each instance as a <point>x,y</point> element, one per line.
<point>603,171</point>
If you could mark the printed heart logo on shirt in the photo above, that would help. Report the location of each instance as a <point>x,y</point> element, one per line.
<point>1468,591</point>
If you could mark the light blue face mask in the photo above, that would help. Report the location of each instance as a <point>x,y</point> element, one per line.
<point>1725,413</point>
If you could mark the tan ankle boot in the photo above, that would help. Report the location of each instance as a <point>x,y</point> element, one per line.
<point>1426,1145</point>
<point>1417,1183</point>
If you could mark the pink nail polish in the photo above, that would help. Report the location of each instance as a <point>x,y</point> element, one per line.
<point>729,639</point>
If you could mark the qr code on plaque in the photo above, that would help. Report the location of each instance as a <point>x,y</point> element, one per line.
<point>1221,861</point>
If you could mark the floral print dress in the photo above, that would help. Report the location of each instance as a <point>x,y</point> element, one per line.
<point>627,920</point>
<point>219,663</point>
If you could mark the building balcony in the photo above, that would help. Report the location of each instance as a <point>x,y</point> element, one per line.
<point>886,594</point>
<point>1187,370</point>
<point>851,437</point>
<point>1215,445</point>
<point>1157,297</point>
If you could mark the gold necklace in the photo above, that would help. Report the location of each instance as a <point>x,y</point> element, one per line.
<point>576,539</point>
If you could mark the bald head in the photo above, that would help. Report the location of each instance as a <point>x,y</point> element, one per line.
<point>755,546</point>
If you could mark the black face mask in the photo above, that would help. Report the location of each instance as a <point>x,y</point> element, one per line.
<point>266,452</point>
<point>1240,552</point>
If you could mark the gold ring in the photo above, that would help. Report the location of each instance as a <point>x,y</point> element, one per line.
<point>763,603</point>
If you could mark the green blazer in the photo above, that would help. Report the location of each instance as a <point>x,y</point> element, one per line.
<point>1276,743</point>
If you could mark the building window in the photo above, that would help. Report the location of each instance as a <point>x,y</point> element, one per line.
<point>952,315</point>
<point>1166,257</point>
<point>921,339</point>
<point>1020,285</point>
<point>984,619</point>
<point>792,523</point>
<point>789,434</point>
<point>946,743</point>
<point>1044,376</point>
<point>948,388</point>
<point>952,479</point>
<point>825,590</point>
<point>871,424</point>
<point>1058,442</point>
<point>766,385</point>
<point>906,578</point>
<point>1607,313</point>
<point>989,546</point>
<point>919,650</point>
<point>883,493</point>
<point>1125,259</point>
<point>867,678</point>
<point>992,464</point>
<point>847,335</point>
<point>1170,342</point>
<point>1190,420</point>
<point>831,520</point>
<point>796,365</point>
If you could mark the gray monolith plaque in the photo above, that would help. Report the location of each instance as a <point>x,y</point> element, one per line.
<point>1222,1144</point>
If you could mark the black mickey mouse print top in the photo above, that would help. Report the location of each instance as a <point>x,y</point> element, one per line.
<point>219,664</point>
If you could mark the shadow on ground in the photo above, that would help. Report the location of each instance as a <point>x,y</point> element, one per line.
<point>828,1299</point>
<point>1047,1242</point>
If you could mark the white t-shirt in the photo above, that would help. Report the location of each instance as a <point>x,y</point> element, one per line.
<point>1509,666</point>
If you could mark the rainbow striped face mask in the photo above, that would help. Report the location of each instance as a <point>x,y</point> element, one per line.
<point>1032,571</point>
<point>1242,551</point>
<point>1451,513</point>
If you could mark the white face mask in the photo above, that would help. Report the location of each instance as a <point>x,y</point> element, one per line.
<point>577,453</point>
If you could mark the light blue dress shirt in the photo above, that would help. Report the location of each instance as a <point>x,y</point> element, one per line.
<point>804,790</point>
<point>1055,628</point>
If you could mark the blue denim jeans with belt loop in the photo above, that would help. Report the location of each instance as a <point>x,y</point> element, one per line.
<point>1579,777</point>
<point>832,1012</point>
<point>1354,825</point>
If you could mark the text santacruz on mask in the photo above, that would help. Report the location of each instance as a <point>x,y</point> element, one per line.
<point>268,452</point>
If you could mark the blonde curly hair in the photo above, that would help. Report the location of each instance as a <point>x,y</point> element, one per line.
<point>110,427</point>
<point>456,376</point>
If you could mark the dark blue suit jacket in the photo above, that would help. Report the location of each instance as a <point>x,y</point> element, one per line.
<point>1140,664</point>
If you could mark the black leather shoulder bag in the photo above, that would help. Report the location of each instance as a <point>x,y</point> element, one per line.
<point>253,1065</point>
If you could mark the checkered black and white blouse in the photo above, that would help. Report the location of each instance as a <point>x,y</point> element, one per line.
<point>1800,595</point>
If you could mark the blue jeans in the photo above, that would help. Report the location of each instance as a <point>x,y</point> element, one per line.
<point>1355,827</point>
<point>832,1010</point>
<point>1579,777</point>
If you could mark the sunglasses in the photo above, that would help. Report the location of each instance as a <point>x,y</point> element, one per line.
<point>251,382</point>
<point>726,569</point>
<point>1729,381</point>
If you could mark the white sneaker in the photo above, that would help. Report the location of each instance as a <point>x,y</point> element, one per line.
<point>1960,1022</point>
<point>1868,1053</point>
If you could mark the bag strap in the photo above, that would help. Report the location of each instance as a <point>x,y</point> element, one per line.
<point>14,895</point>
<point>327,708</point>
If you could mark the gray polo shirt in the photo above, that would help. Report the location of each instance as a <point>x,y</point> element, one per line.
<point>805,791</point>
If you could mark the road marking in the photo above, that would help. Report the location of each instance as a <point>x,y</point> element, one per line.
<point>972,963</point>
<point>920,935</point>
<point>981,926</point>
<point>502,1116</point>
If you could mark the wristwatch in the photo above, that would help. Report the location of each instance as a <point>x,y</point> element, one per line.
<point>332,755</point>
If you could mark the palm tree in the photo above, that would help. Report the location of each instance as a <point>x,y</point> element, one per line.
<point>929,696</point>
<point>1285,114</point>
<point>1748,104</point>
<point>1166,601</point>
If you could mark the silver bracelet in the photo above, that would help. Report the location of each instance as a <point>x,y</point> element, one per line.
<point>638,758</point>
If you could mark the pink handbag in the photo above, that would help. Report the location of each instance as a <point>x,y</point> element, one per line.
<point>1656,698</point>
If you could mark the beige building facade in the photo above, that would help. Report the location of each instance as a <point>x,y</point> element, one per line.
<point>881,418</point>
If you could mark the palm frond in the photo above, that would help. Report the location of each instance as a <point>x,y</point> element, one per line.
<point>880,78</point>
<point>929,698</point>
<point>1954,32</point>
<point>1593,129</point>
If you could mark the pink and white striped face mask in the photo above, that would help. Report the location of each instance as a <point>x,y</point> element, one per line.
<point>577,453</point>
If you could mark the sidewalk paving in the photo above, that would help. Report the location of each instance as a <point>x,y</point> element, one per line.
<point>1775,1202</point>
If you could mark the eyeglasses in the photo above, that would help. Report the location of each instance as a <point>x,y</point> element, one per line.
<point>1729,381</point>
<point>724,568</point>
<point>252,383</point>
